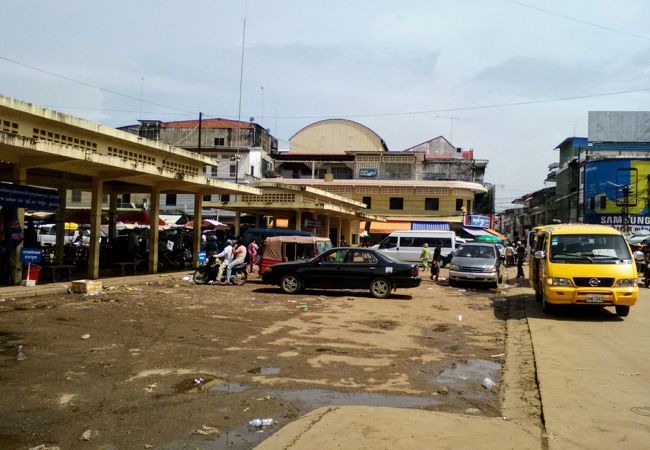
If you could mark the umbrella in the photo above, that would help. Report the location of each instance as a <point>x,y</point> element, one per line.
<point>207,224</point>
<point>137,218</point>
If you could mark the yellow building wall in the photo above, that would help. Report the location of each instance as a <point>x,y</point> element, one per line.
<point>414,205</point>
<point>335,136</point>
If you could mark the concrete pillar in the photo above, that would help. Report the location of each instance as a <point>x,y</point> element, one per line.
<point>313,170</point>
<point>154,212</point>
<point>198,218</point>
<point>237,223</point>
<point>112,217</point>
<point>346,231</point>
<point>59,249</point>
<point>298,220</point>
<point>20,177</point>
<point>326,226</point>
<point>339,232</point>
<point>95,224</point>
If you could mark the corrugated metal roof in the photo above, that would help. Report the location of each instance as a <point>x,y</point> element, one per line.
<point>208,123</point>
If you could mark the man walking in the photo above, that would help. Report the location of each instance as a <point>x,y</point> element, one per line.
<point>521,255</point>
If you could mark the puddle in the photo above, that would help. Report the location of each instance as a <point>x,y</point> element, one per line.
<point>9,347</point>
<point>264,371</point>
<point>237,439</point>
<point>196,384</point>
<point>229,386</point>
<point>309,399</point>
<point>464,376</point>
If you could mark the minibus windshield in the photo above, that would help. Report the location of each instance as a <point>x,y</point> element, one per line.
<point>589,248</point>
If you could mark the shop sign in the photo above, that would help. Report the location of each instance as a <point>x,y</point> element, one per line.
<point>311,223</point>
<point>477,221</point>
<point>30,255</point>
<point>28,197</point>
<point>368,173</point>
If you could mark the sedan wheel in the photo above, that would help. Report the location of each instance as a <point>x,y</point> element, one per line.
<point>380,287</point>
<point>290,284</point>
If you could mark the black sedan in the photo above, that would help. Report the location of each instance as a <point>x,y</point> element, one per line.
<point>344,268</point>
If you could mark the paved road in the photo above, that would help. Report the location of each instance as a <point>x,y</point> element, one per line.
<point>594,375</point>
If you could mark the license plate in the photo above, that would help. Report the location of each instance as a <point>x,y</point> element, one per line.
<point>595,298</point>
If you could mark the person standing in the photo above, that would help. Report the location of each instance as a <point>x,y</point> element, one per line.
<point>521,256</point>
<point>239,254</point>
<point>211,248</point>
<point>252,255</point>
<point>425,257</point>
<point>510,254</point>
<point>226,259</point>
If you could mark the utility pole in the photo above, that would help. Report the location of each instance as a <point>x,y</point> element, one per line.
<point>625,210</point>
<point>198,147</point>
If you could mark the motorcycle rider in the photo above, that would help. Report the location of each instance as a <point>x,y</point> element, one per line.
<point>239,254</point>
<point>226,258</point>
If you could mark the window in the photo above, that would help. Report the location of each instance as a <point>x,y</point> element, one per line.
<point>219,142</point>
<point>459,204</point>
<point>431,204</point>
<point>363,257</point>
<point>603,202</point>
<point>170,199</point>
<point>337,256</point>
<point>367,201</point>
<point>75,196</point>
<point>225,198</point>
<point>396,203</point>
<point>389,242</point>
<point>233,170</point>
<point>207,198</point>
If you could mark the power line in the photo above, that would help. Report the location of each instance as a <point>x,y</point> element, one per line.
<point>575,19</point>
<point>94,86</point>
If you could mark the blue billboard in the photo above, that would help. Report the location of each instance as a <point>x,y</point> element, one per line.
<point>616,193</point>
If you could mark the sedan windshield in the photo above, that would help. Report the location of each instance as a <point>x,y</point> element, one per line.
<point>581,248</point>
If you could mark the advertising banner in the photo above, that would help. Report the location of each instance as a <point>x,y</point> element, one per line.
<point>616,193</point>
<point>28,197</point>
<point>368,173</point>
<point>477,221</point>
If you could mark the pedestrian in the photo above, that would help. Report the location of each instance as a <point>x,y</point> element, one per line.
<point>252,255</point>
<point>211,247</point>
<point>437,252</point>
<point>30,235</point>
<point>343,242</point>
<point>435,270</point>
<point>425,257</point>
<point>239,254</point>
<point>521,256</point>
<point>510,254</point>
<point>226,258</point>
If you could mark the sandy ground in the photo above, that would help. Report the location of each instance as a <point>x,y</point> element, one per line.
<point>172,365</point>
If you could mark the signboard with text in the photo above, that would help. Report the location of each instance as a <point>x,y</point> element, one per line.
<point>30,255</point>
<point>368,173</point>
<point>28,197</point>
<point>477,221</point>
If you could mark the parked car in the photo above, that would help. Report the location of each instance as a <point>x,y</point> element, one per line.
<point>345,268</point>
<point>407,245</point>
<point>476,262</point>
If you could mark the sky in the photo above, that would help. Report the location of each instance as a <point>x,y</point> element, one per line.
<point>409,70</point>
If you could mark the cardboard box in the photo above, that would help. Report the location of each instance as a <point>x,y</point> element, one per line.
<point>89,287</point>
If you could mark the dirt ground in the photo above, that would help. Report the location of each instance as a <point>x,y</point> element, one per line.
<point>169,364</point>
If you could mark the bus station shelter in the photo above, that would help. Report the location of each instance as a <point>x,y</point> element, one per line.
<point>44,153</point>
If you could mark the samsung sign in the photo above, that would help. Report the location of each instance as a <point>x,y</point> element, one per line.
<point>368,173</point>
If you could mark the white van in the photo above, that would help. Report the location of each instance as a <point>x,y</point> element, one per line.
<point>407,245</point>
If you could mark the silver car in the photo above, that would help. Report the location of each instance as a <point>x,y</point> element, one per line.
<point>477,262</point>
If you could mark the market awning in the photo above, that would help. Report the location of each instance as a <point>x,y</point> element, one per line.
<point>497,234</point>
<point>442,226</point>
<point>385,227</point>
<point>476,232</point>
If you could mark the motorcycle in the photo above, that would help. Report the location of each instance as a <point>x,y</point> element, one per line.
<point>208,271</point>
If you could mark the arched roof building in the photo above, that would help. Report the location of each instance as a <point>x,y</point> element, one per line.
<point>335,137</point>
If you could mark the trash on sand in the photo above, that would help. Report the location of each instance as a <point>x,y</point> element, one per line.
<point>256,423</point>
<point>462,290</point>
<point>444,390</point>
<point>21,354</point>
<point>45,447</point>
<point>459,318</point>
<point>266,397</point>
<point>177,285</point>
<point>132,289</point>
<point>188,278</point>
<point>88,434</point>
<point>633,374</point>
<point>85,336</point>
<point>304,307</point>
<point>206,430</point>
<point>291,301</point>
<point>488,383</point>
<point>473,411</point>
<point>506,286</point>
<point>198,380</point>
<point>148,446</point>
<point>498,355</point>
<point>151,387</point>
